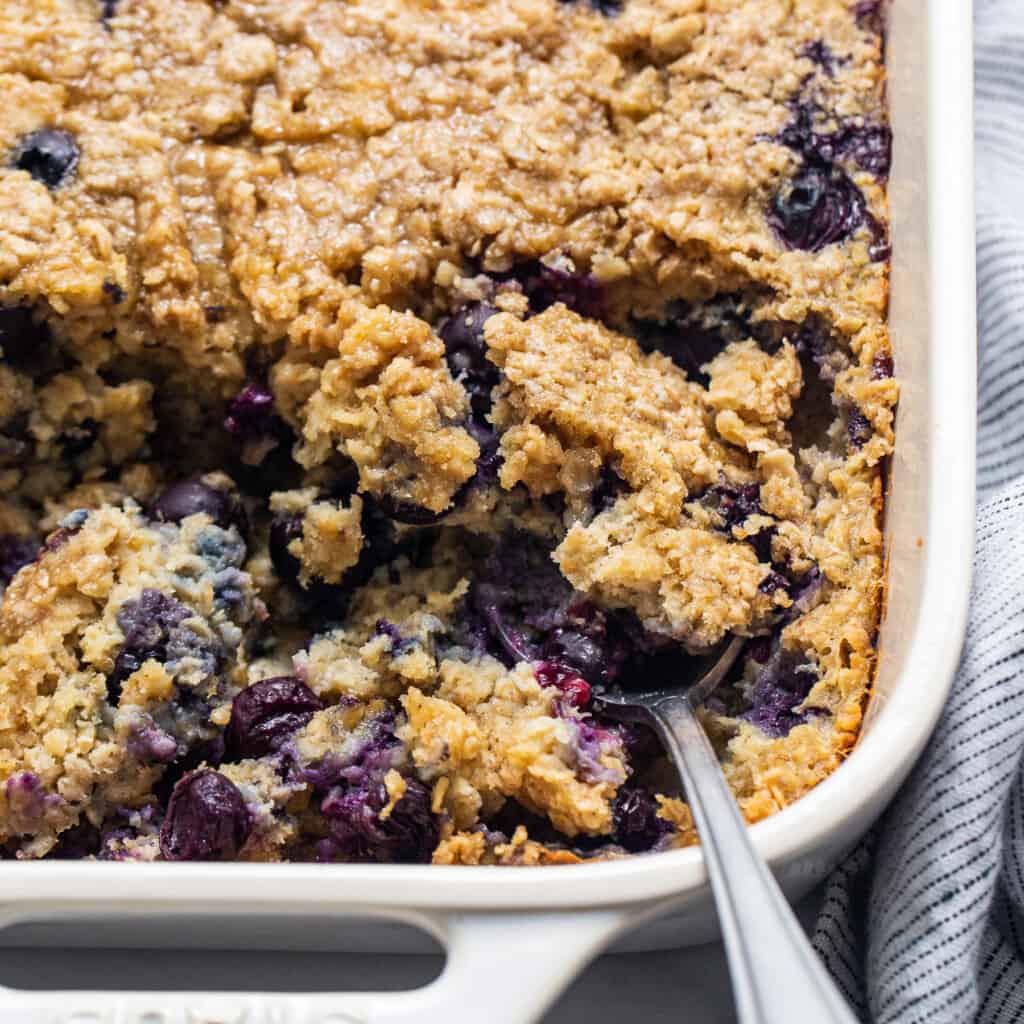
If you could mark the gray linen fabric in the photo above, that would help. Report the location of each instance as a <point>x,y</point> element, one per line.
<point>925,922</point>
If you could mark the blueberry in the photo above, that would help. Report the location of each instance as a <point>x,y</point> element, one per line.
<point>636,825</point>
<point>858,429</point>
<point>15,553</point>
<point>574,647</point>
<point>881,366</point>
<point>818,207</point>
<point>152,744</point>
<point>466,353</point>
<point>575,690</point>
<point>265,714</point>
<point>191,497</point>
<point>206,819</point>
<point>26,342</point>
<point>50,155</point>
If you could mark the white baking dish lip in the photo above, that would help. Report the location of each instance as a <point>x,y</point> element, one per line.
<point>854,793</point>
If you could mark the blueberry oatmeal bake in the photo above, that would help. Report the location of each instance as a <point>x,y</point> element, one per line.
<point>382,380</point>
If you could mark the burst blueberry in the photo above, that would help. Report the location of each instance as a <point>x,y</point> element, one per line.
<point>780,687</point>
<point>818,207</point>
<point>820,53</point>
<point>574,689</point>
<point>150,625</point>
<point>407,835</point>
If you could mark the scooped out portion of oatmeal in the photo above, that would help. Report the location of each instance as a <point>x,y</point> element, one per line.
<point>380,382</point>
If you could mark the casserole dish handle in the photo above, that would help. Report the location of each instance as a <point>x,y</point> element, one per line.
<point>505,967</point>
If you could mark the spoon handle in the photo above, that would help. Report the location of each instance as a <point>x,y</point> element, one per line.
<point>777,977</point>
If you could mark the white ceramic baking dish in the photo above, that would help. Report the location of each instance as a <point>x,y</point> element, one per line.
<point>515,938</point>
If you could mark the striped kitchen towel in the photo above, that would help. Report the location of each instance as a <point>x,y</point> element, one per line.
<point>925,922</point>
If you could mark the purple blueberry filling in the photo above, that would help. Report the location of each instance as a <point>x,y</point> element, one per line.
<point>573,688</point>
<point>859,429</point>
<point>520,608</point>
<point>592,743</point>
<point>610,487</point>
<point>26,795</point>
<point>354,795</point>
<point>153,627</point>
<point>820,53</point>
<point>466,354</point>
<point>881,366</point>
<point>870,15</point>
<point>50,155</point>
<point>252,418</point>
<point>867,145</point>
<point>547,284</point>
<point>267,713</point>
<point>206,819</point>
<point>153,745</point>
<point>609,8</point>
<point>399,644</point>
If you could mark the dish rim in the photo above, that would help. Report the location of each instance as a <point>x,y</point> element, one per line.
<point>874,769</point>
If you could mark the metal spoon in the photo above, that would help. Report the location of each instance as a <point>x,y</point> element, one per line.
<point>777,977</point>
